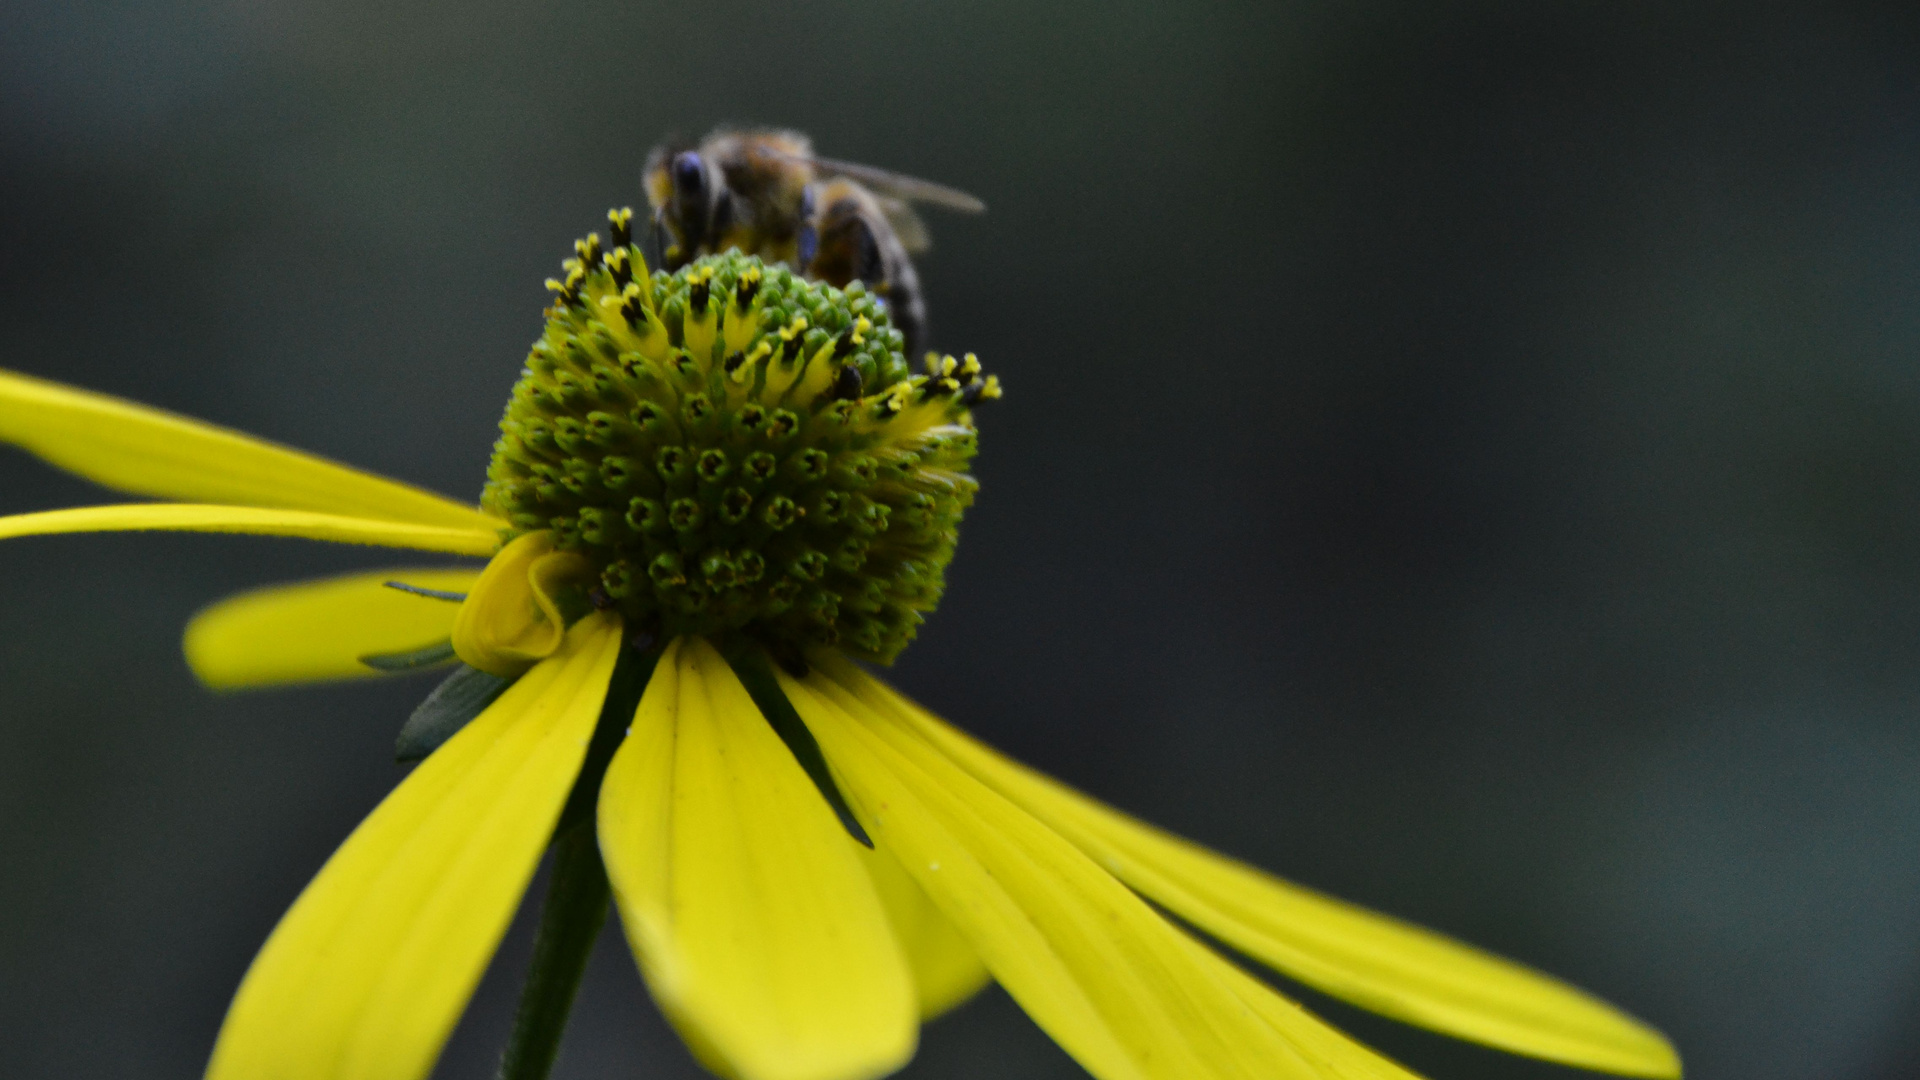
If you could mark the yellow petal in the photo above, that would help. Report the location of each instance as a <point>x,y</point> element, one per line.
<point>318,630</point>
<point>365,976</point>
<point>145,451</point>
<point>1120,988</point>
<point>510,620</point>
<point>195,517</point>
<point>946,970</point>
<point>1325,1047</point>
<point>1374,961</point>
<point>755,926</point>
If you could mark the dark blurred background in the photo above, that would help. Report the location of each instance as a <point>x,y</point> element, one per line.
<point>1461,456</point>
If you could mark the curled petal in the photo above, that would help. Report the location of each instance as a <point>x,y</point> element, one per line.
<point>365,976</point>
<point>510,620</point>
<point>146,451</point>
<point>312,631</point>
<point>756,927</point>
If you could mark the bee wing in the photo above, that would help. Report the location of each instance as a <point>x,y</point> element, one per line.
<point>907,226</point>
<point>881,182</point>
<point>902,188</point>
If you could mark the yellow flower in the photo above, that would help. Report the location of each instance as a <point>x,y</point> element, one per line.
<point>780,945</point>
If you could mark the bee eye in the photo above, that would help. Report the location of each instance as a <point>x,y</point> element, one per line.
<point>689,173</point>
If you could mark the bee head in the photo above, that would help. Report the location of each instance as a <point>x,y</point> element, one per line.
<point>690,176</point>
<point>696,205</point>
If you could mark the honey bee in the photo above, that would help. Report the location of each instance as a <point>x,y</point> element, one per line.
<point>767,194</point>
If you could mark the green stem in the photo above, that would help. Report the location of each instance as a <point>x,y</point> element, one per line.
<point>570,920</point>
<point>577,890</point>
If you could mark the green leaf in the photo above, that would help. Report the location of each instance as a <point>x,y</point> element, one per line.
<point>461,697</point>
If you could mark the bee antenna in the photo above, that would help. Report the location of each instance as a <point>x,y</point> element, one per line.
<point>656,250</point>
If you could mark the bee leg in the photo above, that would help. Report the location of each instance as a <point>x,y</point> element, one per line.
<point>869,263</point>
<point>884,266</point>
<point>656,249</point>
<point>721,223</point>
<point>908,307</point>
<point>853,248</point>
<point>809,240</point>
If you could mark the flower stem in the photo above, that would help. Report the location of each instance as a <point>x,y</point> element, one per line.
<point>577,891</point>
<point>570,920</point>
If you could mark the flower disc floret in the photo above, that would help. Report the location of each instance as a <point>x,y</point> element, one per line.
<point>735,448</point>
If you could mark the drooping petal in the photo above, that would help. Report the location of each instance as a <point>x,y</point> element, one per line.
<point>318,630</point>
<point>367,972</point>
<point>946,970</point>
<point>1322,1045</point>
<point>510,619</point>
<point>753,921</point>
<point>1119,987</point>
<point>145,451</point>
<point>197,517</point>
<point>1367,958</point>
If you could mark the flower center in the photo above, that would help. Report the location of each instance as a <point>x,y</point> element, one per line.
<point>734,447</point>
